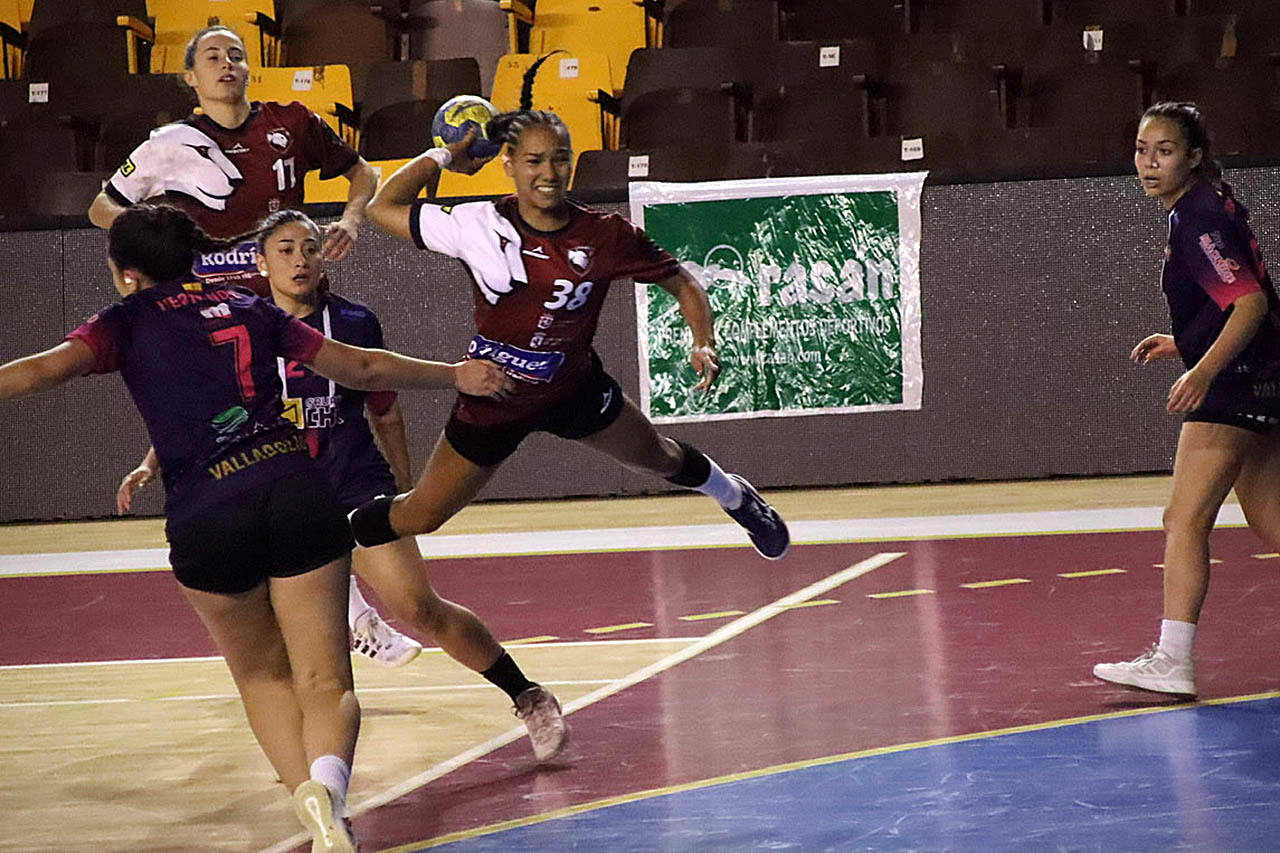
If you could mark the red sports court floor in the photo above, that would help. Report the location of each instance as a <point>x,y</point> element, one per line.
<point>842,655</point>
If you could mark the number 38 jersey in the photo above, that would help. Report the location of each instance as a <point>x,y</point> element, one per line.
<point>538,294</point>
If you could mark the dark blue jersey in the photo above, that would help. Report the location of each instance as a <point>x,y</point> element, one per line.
<point>1211,260</point>
<point>200,364</point>
<point>332,416</point>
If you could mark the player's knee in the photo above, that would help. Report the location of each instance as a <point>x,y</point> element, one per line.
<point>1188,520</point>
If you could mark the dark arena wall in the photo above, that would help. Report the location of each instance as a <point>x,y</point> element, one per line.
<point>1032,295</point>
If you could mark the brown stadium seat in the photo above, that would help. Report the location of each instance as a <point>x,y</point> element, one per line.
<point>1095,109</point>
<point>740,24</point>
<point>687,115</point>
<point>809,90</point>
<point>809,20</point>
<point>177,20</point>
<point>474,28</point>
<point>336,32</point>
<point>603,171</point>
<point>401,99</point>
<point>79,44</point>
<point>947,16</point>
<point>1241,103</point>
<point>962,98</point>
<point>1084,12</point>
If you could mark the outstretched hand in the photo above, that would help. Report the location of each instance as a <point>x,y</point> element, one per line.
<point>707,363</point>
<point>480,378</point>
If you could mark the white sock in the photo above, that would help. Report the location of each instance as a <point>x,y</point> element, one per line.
<point>356,605</point>
<point>336,775</point>
<point>1176,638</point>
<point>718,485</point>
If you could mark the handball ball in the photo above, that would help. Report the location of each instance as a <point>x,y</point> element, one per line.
<point>457,116</point>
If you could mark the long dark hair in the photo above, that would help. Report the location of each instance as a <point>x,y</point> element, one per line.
<point>507,127</point>
<point>160,241</point>
<point>1195,131</point>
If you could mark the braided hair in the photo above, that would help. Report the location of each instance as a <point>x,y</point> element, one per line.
<point>160,241</point>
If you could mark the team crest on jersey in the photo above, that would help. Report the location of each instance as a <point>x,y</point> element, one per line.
<point>279,139</point>
<point>580,258</point>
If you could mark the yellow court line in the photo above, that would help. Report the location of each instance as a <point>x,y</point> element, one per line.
<point>609,629</point>
<point>1090,574</point>
<point>900,593</point>
<point>720,614</point>
<point>526,641</point>
<point>986,584</point>
<point>571,811</point>
<point>1265,556</point>
<point>819,603</point>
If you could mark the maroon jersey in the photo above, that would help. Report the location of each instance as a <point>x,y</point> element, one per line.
<point>227,179</point>
<point>538,293</point>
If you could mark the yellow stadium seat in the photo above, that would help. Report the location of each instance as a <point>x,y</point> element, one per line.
<point>12,37</point>
<point>336,190</point>
<point>566,84</point>
<point>325,89</point>
<point>491,180</point>
<point>610,27</point>
<point>178,20</point>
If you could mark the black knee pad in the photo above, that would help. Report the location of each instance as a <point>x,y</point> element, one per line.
<point>371,522</point>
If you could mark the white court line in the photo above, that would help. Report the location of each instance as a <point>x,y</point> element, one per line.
<point>634,641</point>
<point>672,537</point>
<point>715,638</point>
<point>208,697</point>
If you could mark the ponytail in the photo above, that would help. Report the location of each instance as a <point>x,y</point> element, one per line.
<point>160,241</point>
<point>506,128</point>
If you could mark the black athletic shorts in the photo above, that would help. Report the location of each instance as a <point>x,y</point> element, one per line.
<point>1261,424</point>
<point>595,404</point>
<point>284,528</point>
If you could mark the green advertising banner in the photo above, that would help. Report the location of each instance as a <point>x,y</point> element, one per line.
<point>815,285</point>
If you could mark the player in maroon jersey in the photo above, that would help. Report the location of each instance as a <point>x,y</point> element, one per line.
<point>257,537</point>
<point>1226,331</point>
<point>541,265</point>
<point>227,166</point>
<point>361,468</point>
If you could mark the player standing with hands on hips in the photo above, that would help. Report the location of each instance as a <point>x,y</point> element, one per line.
<point>1226,330</point>
<point>542,265</point>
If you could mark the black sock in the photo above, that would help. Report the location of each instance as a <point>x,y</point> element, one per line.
<point>371,522</point>
<point>505,674</point>
<point>694,469</point>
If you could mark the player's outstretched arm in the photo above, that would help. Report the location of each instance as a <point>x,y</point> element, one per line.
<point>392,204</point>
<point>695,307</point>
<point>383,370</point>
<point>44,370</point>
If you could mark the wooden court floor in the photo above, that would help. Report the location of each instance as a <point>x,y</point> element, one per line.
<point>125,733</point>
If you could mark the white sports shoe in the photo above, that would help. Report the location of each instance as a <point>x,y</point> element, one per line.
<point>378,641</point>
<point>548,731</point>
<point>1152,670</point>
<point>313,804</point>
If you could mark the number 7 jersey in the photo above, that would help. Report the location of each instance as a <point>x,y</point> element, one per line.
<point>538,294</point>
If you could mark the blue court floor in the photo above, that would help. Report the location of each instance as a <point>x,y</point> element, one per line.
<point>1202,777</point>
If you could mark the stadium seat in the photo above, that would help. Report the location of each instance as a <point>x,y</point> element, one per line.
<point>818,20</point>
<point>474,28</point>
<point>955,16</point>
<point>80,43</point>
<point>961,98</point>
<point>401,99</point>
<point>336,32</point>
<point>325,89</point>
<point>612,28</point>
<point>687,115</point>
<point>13,39</point>
<point>30,151</point>
<point>742,24</point>
<point>652,69</point>
<point>1085,12</point>
<point>1095,108</point>
<point>568,85</point>
<point>1207,39</point>
<point>611,171</point>
<point>1241,103</point>
<point>802,90</point>
<point>145,102</point>
<point>177,20</point>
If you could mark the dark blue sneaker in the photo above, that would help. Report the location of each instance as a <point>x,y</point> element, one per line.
<point>766,529</point>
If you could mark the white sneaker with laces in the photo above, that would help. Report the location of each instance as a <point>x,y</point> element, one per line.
<point>313,804</point>
<point>1152,670</point>
<point>548,731</point>
<point>378,641</point>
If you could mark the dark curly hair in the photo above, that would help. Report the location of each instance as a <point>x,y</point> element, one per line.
<point>160,241</point>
